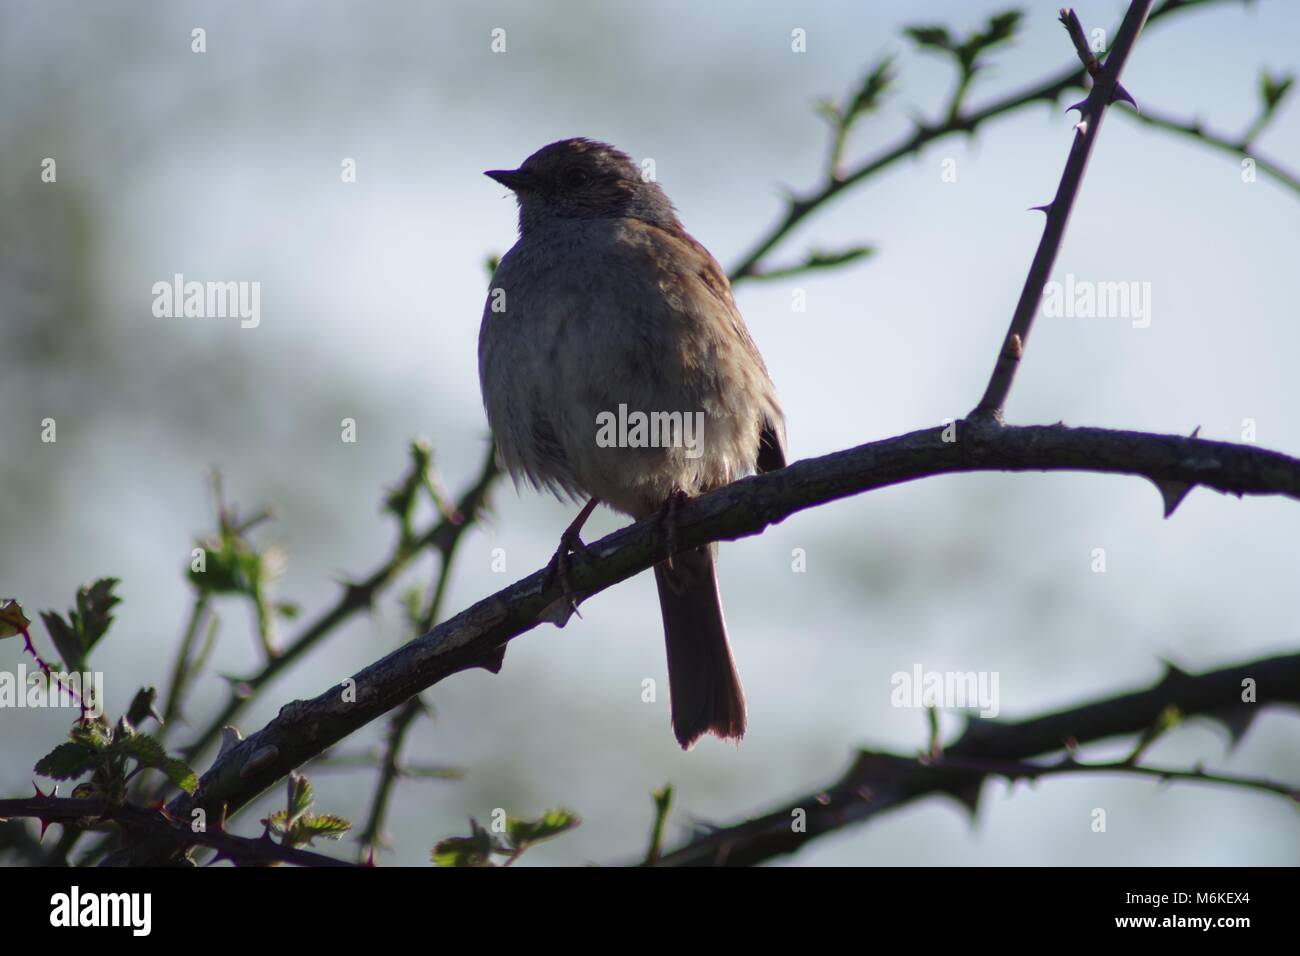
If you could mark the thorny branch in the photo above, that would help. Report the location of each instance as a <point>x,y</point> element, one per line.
<point>356,597</point>
<point>1092,110</point>
<point>155,825</point>
<point>476,637</point>
<point>877,783</point>
<point>960,121</point>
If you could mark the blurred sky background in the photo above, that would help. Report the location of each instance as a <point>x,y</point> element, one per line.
<point>226,166</point>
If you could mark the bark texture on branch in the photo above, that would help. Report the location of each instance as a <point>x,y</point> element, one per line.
<point>476,636</point>
<point>879,782</point>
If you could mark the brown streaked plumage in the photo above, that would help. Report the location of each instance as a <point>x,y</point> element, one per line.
<point>607,302</point>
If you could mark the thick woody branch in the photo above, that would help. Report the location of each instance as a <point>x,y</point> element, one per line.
<point>877,783</point>
<point>476,637</point>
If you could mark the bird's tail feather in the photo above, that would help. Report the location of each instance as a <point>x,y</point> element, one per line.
<point>702,679</point>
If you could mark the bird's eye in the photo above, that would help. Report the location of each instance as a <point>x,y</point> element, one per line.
<point>575,177</point>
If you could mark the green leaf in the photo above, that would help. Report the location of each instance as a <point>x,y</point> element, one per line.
<point>821,259</point>
<point>86,623</point>
<point>65,640</point>
<point>95,603</point>
<point>296,825</point>
<point>67,761</point>
<point>400,501</point>
<point>230,566</point>
<point>142,748</point>
<point>180,774</point>
<point>460,851</point>
<point>324,825</point>
<point>1272,89</point>
<point>92,733</point>
<point>148,751</point>
<point>12,619</point>
<point>1002,26</point>
<point>873,89</point>
<point>523,833</point>
<point>828,111</point>
<point>935,38</point>
<point>300,796</point>
<point>142,706</point>
<point>817,259</point>
<point>473,850</point>
<point>999,28</point>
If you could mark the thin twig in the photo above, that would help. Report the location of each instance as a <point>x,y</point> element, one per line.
<point>54,679</point>
<point>156,825</point>
<point>372,834</point>
<point>356,597</point>
<point>799,207</point>
<point>663,804</point>
<point>1092,110</point>
<point>1242,148</point>
<point>1026,770</point>
<point>183,667</point>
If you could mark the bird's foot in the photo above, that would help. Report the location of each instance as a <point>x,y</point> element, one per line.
<point>558,570</point>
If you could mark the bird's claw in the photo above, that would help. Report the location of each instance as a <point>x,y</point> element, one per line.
<point>558,570</point>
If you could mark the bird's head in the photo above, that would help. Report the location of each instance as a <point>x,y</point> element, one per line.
<point>584,179</point>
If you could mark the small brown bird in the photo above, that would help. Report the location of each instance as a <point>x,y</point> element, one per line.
<point>616,368</point>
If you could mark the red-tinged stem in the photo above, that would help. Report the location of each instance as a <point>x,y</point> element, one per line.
<point>52,677</point>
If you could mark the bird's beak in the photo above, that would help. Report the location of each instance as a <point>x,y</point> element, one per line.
<point>513,179</point>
